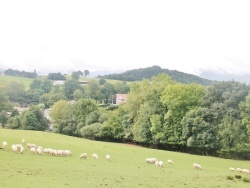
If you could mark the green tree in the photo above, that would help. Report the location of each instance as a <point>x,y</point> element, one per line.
<point>16,92</point>
<point>84,107</point>
<point>3,118</point>
<point>75,75</point>
<point>107,91</point>
<point>69,87</point>
<point>36,84</point>
<point>91,131</point>
<point>93,90</point>
<point>80,73</point>
<point>86,72</point>
<point>113,129</point>
<point>4,102</point>
<point>33,119</point>
<point>58,110</point>
<point>92,117</point>
<point>179,99</point>
<point>78,94</point>
<point>102,81</point>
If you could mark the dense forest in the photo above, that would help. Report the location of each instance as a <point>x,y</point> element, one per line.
<point>148,73</point>
<point>159,113</point>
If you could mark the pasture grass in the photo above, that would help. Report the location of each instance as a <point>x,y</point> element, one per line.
<point>5,80</point>
<point>127,168</point>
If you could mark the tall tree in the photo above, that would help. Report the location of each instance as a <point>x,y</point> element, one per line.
<point>70,86</point>
<point>93,90</point>
<point>179,99</point>
<point>86,72</point>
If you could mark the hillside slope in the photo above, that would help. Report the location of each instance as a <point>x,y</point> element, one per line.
<point>147,73</point>
<point>126,169</point>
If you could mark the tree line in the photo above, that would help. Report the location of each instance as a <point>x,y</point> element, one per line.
<point>160,113</point>
<point>11,72</point>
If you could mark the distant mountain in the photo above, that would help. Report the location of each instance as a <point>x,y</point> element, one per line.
<point>149,72</point>
<point>99,73</point>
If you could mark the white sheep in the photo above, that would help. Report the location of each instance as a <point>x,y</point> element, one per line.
<point>68,153</point>
<point>33,150</point>
<point>23,141</point>
<point>4,144</point>
<point>14,148</point>
<point>239,169</point>
<point>160,164</point>
<point>156,163</point>
<point>31,145</point>
<point>95,156</point>
<point>60,152</point>
<point>232,169</point>
<point>245,171</point>
<point>18,146</point>
<point>170,161</point>
<point>196,166</point>
<point>108,157</point>
<point>21,149</point>
<point>83,156</point>
<point>151,160</point>
<point>39,150</point>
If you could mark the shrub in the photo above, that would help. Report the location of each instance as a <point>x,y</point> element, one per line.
<point>91,131</point>
<point>246,179</point>
<point>230,177</point>
<point>238,176</point>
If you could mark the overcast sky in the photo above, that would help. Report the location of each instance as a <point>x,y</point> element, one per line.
<point>189,36</point>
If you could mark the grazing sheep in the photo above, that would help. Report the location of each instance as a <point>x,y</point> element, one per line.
<point>60,152</point>
<point>156,163</point>
<point>33,150</point>
<point>108,157</point>
<point>14,148</point>
<point>39,150</point>
<point>239,170</point>
<point>4,144</point>
<point>232,169</point>
<point>18,146</point>
<point>170,161</point>
<point>68,153</point>
<point>21,150</point>
<point>151,160</point>
<point>160,164</point>
<point>245,171</point>
<point>83,156</point>
<point>31,145</point>
<point>196,166</point>
<point>95,156</point>
<point>23,141</point>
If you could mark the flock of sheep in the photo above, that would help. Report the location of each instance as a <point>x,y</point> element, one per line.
<point>53,152</point>
<point>244,170</point>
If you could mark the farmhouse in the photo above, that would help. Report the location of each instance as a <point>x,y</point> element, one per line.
<point>58,82</point>
<point>120,98</point>
<point>83,83</point>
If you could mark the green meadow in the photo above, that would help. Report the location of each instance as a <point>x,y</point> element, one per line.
<point>4,80</point>
<point>126,169</point>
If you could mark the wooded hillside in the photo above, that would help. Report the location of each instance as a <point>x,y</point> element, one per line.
<point>149,72</point>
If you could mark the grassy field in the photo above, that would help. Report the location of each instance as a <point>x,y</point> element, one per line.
<point>27,81</point>
<point>7,79</point>
<point>127,168</point>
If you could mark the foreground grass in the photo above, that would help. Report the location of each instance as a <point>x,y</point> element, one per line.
<point>127,168</point>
